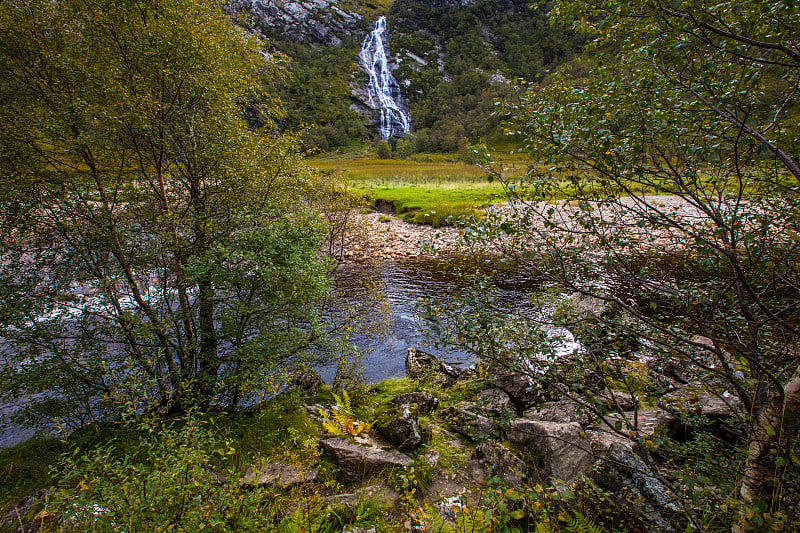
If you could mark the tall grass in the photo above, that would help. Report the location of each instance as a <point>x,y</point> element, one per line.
<point>434,189</point>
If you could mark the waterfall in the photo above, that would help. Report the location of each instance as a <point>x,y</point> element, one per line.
<point>383,91</point>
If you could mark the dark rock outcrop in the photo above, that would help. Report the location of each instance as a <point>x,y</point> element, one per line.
<point>403,430</point>
<point>421,365</point>
<point>624,474</point>
<point>307,21</point>
<point>425,402</point>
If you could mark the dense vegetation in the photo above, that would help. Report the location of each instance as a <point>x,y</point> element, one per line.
<point>155,249</point>
<point>161,240</point>
<point>470,54</point>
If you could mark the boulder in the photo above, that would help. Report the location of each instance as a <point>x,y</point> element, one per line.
<point>421,365</point>
<point>623,473</point>
<point>426,402</point>
<point>355,461</point>
<point>615,400</point>
<point>562,411</point>
<point>561,450</point>
<point>519,386</point>
<point>402,430</point>
<point>279,474</point>
<point>587,305</point>
<point>693,400</point>
<point>494,459</point>
<point>494,403</point>
<point>306,379</point>
<point>643,423</point>
<point>465,420</point>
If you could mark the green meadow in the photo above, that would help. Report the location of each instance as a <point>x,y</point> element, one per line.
<point>432,189</point>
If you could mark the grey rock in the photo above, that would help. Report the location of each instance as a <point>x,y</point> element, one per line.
<point>425,402</point>
<point>422,365</point>
<point>279,474</point>
<point>312,21</point>
<point>693,399</point>
<point>587,305</point>
<point>431,457</point>
<point>626,475</point>
<point>642,423</point>
<point>464,420</point>
<point>562,411</point>
<point>561,451</point>
<point>355,461</point>
<point>517,385</point>
<point>494,403</point>
<point>497,460</point>
<point>615,400</point>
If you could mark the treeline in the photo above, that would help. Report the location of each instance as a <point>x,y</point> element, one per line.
<point>472,56</point>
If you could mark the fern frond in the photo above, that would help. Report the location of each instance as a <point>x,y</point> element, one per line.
<point>577,523</point>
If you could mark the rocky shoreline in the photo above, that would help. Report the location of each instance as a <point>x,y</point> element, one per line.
<point>385,237</point>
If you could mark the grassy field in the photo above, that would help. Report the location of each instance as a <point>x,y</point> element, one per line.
<point>431,189</point>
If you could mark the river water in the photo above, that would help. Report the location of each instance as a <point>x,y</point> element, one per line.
<point>399,286</point>
<point>404,283</point>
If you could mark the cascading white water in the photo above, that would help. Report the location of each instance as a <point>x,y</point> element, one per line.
<point>383,90</point>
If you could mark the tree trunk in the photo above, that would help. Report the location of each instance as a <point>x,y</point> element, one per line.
<point>774,429</point>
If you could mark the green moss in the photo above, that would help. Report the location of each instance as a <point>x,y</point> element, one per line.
<point>25,468</point>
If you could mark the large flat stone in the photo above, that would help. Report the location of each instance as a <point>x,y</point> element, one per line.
<point>356,461</point>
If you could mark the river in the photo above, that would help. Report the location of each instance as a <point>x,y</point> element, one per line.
<point>401,285</point>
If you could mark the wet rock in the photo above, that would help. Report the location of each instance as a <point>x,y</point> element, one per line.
<point>279,474</point>
<point>402,430</point>
<point>494,459</point>
<point>421,365</point>
<point>425,402</point>
<point>465,420</point>
<point>560,450</point>
<point>355,461</point>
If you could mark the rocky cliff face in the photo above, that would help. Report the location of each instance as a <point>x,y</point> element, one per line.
<point>308,21</point>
